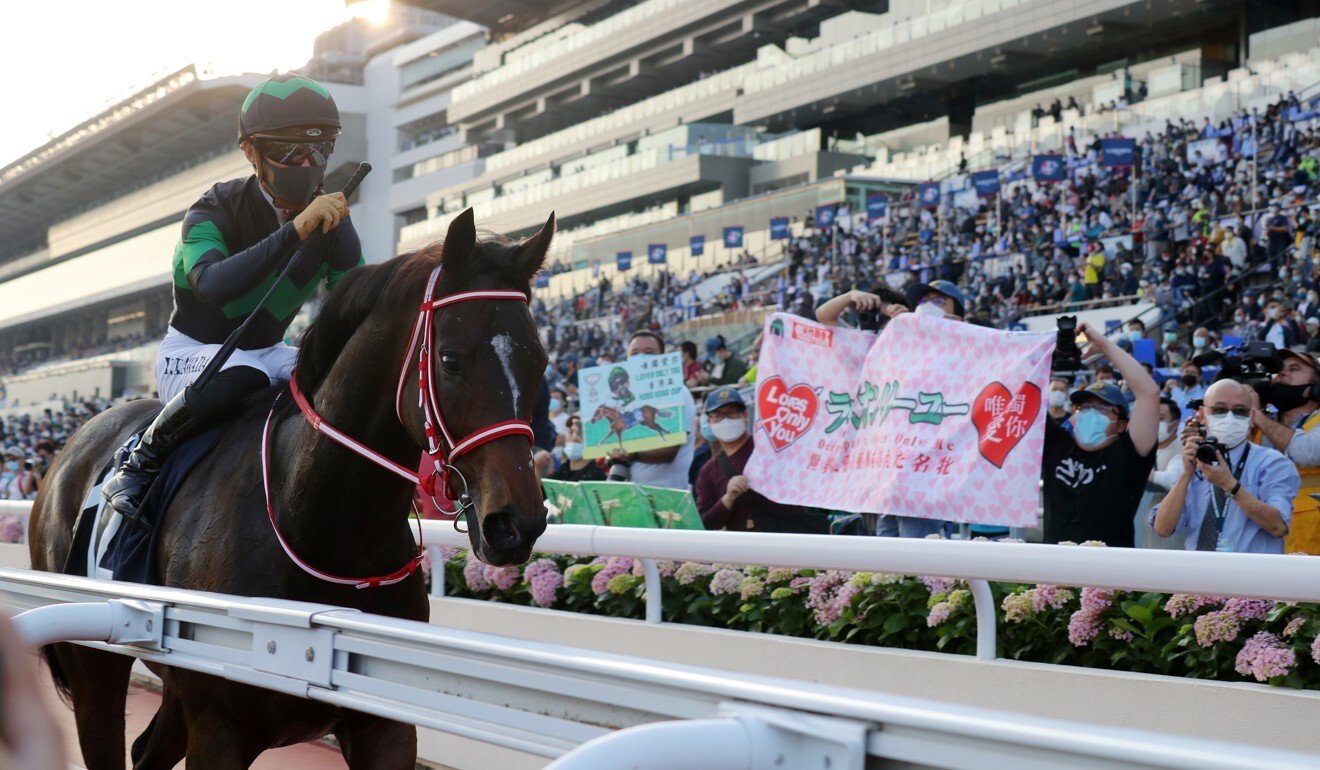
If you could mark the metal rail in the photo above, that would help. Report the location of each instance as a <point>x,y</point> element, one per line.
<point>561,702</point>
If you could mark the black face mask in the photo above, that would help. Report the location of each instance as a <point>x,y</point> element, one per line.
<point>1189,380</point>
<point>1287,397</point>
<point>292,184</point>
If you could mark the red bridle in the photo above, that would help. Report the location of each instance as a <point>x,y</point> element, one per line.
<point>423,332</point>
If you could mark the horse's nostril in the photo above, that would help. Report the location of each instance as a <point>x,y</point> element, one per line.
<point>500,531</point>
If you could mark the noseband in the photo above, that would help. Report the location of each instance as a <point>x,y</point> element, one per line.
<point>440,444</point>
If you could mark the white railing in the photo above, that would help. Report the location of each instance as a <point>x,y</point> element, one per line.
<point>1283,578</point>
<point>557,701</point>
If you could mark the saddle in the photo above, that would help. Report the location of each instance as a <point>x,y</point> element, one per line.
<point>108,548</point>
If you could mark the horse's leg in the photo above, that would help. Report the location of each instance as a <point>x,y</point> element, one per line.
<point>165,740</point>
<point>216,742</point>
<point>98,686</point>
<point>371,743</point>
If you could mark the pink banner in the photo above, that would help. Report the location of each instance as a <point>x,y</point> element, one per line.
<point>934,418</point>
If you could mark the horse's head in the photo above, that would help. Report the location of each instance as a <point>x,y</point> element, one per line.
<point>487,363</point>
<point>602,413</point>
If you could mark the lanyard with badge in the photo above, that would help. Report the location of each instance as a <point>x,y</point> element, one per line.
<point>1221,512</point>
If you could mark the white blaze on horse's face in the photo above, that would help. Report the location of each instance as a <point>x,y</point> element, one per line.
<point>503,345</point>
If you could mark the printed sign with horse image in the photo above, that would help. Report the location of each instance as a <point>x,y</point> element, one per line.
<point>457,380</point>
<point>641,409</point>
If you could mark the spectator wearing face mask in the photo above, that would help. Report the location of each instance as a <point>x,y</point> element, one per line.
<point>574,468</point>
<point>1188,387</point>
<point>724,496</point>
<point>559,412</point>
<point>939,299</point>
<point>1058,402</point>
<point>1279,329</point>
<point>1094,477</point>
<point>16,481</point>
<point>1242,502</point>
<point>1168,467</point>
<point>1294,429</point>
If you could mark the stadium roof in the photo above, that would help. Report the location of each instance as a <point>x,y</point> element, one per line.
<point>501,17</point>
<point>171,122</point>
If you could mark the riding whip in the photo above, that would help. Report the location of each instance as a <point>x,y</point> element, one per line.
<point>231,343</point>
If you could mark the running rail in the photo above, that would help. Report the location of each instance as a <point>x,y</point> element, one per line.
<point>584,709</point>
<point>1283,578</point>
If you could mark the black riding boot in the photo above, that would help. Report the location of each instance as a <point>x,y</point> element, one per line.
<point>126,489</point>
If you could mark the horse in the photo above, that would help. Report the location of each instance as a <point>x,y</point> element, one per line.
<point>621,420</point>
<point>339,513</point>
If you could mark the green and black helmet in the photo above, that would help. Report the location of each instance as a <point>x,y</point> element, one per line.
<point>292,107</point>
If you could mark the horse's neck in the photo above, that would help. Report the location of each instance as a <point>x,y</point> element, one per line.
<point>340,509</point>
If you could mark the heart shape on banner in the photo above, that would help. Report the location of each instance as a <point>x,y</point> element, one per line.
<point>1003,418</point>
<point>786,414</point>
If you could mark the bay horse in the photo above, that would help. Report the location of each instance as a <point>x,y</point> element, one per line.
<point>338,512</point>
<point>621,420</point>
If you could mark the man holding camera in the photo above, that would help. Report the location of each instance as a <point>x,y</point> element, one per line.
<point>1094,476</point>
<point>1295,392</point>
<point>1232,495</point>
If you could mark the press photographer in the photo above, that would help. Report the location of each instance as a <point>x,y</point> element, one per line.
<point>1295,393</point>
<point>1232,495</point>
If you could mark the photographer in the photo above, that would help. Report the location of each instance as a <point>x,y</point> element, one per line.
<point>1295,392</point>
<point>1232,495</point>
<point>1094,477</point>
<point>887,303</point>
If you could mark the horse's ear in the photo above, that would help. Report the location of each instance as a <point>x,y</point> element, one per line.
<point>532,252</point>
<point>460,240</point>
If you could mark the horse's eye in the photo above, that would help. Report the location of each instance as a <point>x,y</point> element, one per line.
<point>450,362</point>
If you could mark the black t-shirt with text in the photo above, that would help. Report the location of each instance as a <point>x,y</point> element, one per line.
<point>1092,495</point>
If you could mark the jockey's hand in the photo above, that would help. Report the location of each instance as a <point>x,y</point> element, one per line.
<point>324,212</point>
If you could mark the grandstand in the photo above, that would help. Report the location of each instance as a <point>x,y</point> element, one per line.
<point>639,123</point>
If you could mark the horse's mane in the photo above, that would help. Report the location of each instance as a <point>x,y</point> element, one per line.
<point>398,282</point>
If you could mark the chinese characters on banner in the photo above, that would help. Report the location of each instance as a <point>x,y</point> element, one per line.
<point>633,405</point>
<point>933,419</point>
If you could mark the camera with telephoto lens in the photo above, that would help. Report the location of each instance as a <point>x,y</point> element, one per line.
<point>1067,356</point>
<point>1253,363</point>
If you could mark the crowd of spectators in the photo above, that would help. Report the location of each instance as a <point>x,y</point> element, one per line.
<point>12,363</point>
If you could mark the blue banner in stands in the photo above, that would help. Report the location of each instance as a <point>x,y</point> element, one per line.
<point>928,194</point>
<point>542,279</point>
<point>733,237</point>
<point>697,245</point>
<point>657,253</point>
<point>778,228</point>
<point>1144,351</point>
<point>1048,168</point>
<point>825,215</point>
<point>877,206</point>
<point>986,183</point>
<point>624,260</point>
<point>1118,153</point>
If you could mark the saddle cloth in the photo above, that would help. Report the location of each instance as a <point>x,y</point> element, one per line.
<point>107,547</point>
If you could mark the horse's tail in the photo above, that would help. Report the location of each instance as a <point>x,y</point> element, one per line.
<point>57,674</point>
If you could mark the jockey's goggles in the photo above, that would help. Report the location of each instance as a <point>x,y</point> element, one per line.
<point>291,153</point>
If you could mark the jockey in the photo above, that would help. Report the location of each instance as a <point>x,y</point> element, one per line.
<point>235,241</point>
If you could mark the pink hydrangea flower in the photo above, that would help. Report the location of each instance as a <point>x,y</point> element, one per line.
<point>544,580</point>
<point>726,581</point>
<point>11,529</point>
<point>1315,649</point>
<point>1264,658</point>
<point>504,578</point>
<point>1048,596</point>
<point>1117,633</point>
<point>751,588</point>
<point>1097,598</point>
<point>474,573</point>
<point>1249,609</point>
<point>448,552</point>
<point>1083,626</point>
<point>1216,626</point>
<point>1186,604</point>
<point>1294,626</point>
<point>938,614</point>
<point>938,585</point>
<point>1017,607</point>
<point>799,583</point>
<point>614,566</point>
<point>829,595</point>
<point>690,572</point>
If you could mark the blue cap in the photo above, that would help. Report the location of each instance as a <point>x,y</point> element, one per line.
<point>569,357</point>
<point>918,290</point>
<point>714,343</point>
<point>723,397</point>
<point>1107,392</point>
